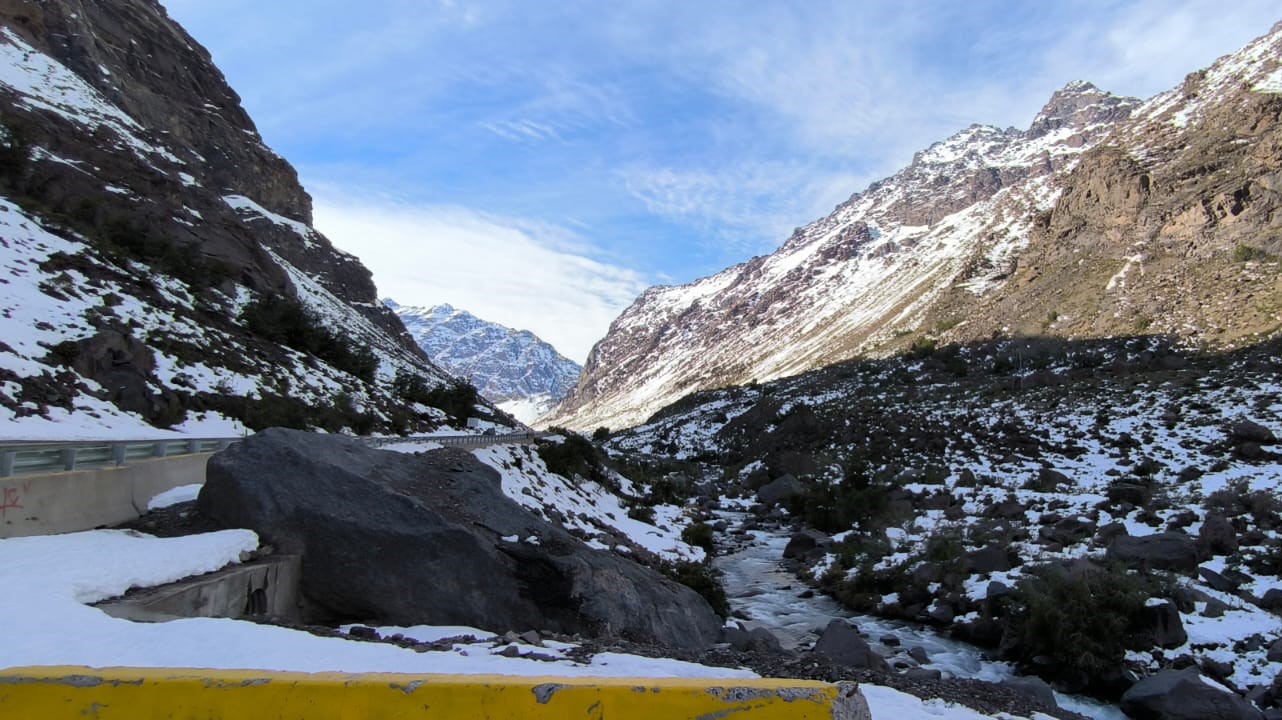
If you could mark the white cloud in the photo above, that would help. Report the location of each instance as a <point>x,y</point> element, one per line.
<point>742,203</point>
<point>526,275</point>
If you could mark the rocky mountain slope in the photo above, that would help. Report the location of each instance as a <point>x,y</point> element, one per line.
<point>160,267</point>
<point>522,374</point>
<point>1106,217</point>
<point>1095,512</point>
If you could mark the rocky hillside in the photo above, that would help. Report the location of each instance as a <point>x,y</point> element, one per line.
<point>522,374</point>
<point>1106,217</point>
<point>160,267</point>
<point>1094,512</point>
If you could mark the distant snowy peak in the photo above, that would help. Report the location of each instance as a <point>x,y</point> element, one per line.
<point>514,368</point>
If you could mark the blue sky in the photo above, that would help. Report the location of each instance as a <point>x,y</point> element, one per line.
<point>540,163</point>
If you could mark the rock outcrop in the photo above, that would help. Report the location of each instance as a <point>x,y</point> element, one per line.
<point>430,538</point>
<point>1183,695</point>
<point>137,199</point>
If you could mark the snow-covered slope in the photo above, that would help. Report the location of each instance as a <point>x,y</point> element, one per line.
<point>982,234</point>
<point>160,269</point>
<point>522,374</point>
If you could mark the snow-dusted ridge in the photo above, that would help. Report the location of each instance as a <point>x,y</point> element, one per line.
<point>522,374</point>
<point>991,232</point>
<point>955,217</point>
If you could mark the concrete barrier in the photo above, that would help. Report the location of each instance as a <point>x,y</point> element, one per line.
<point>261,588</point>
<point>84,499</point>
<point>54,693</point>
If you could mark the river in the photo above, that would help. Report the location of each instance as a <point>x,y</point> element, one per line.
<point>758,586</point>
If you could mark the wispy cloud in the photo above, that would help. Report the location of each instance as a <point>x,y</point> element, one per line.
<point>520,273</point>
<point>683,136</point>
<point>741,205</point>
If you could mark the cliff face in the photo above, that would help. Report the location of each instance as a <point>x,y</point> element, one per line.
<point>1105,217</point>
<point>146,212</point>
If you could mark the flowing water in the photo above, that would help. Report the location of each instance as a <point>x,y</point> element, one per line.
<point>759,586</point>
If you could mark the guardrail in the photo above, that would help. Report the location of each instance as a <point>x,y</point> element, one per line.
<point>44,457</point>
<point>55,693</point>
<point>458,440</point>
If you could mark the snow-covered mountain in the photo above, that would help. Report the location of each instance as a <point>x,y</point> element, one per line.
<point>159,266</point>
<point>1106,217</point>
<point>522,374</point>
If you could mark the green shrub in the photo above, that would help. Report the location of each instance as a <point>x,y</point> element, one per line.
<point>642,513</point>
<point>699,535</point>
<point>573,456</point>
<point>1247,253</point>
<point>703,579</point>
<point>458,399</point>
<point>923,347</point>
<point>1080,622</point>
<point>283,320</point>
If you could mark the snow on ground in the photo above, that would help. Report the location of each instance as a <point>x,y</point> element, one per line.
<point>585,507</point>
<point>58,574</point>
<point>52,625</point>
<point>33,320</point>
<point>174,496</point>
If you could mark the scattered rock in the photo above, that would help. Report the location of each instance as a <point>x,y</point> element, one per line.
<point>1272,600</point>
<point>1033,687</point>
<point>778,490</point>
<point>1245,430</point>
<point>841,644</point>
<point>1214,608</point>
<point>992,558</point>
<point>1162,551</point>
<point>1182,695</point>
<point>1217,536</point>
<point>804,541</point>
<point>1160,626</point>
<point>1068,531</point>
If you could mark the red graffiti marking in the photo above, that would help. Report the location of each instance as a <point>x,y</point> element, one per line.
<point>10,501</point>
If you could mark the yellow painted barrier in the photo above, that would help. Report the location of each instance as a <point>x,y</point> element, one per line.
<point>53,693</point>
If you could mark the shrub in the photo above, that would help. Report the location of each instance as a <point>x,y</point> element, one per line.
<point>642,513</point>
<point>1247,253</point>
<point>1079,622</point>
<point>283,320</point>
<point>923,347</point>
<point>458,399</point>
<point>699,535</point>
<point>601,434</point>
<point>573,456</point>
<point>703,579</point>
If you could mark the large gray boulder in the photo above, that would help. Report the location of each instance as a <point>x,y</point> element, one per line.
<point>1163,551</point>
<point>431,539</point>
<point>778,490</point>
<point>1182,695</point>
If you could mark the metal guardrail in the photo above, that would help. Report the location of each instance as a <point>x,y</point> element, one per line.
<point>458,440</point>
<point>46,457</point>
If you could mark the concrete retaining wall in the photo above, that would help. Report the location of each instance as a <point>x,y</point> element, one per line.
<point>85,499</point>
<point>263,588</point>
<point>136,694</point>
